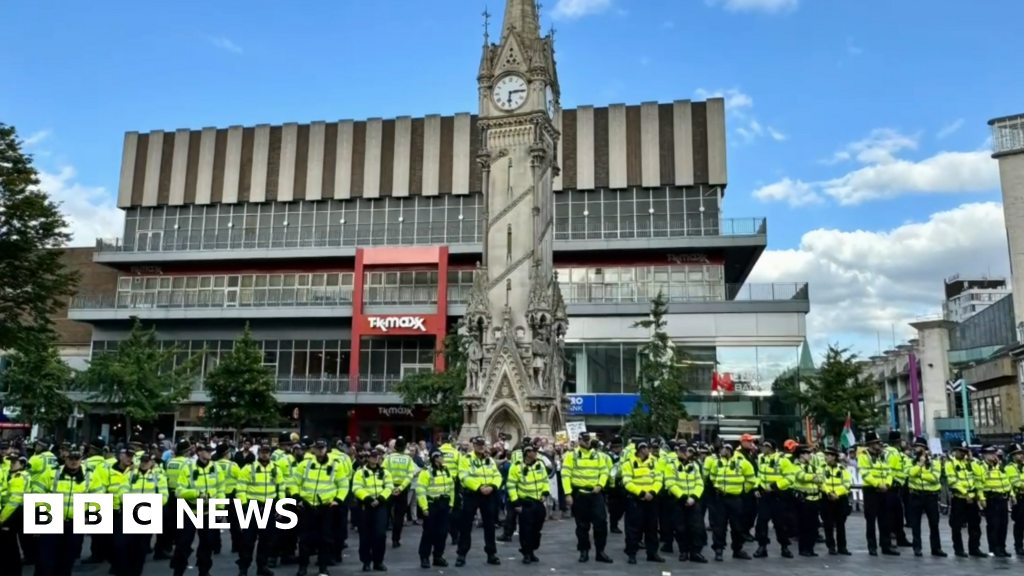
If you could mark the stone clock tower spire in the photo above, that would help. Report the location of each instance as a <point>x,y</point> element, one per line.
<point>515,315</point>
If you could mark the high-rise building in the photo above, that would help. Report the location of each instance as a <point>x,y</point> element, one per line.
<point>966,296</point>
<point>352,247</point>
<point>1008,149</point>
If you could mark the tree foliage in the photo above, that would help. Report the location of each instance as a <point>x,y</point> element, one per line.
<point>440,391</point>
<point>36,384</point>
<point>139,379</point>
<point>34,282</point>
<point>838,387</point>
<point>662,379</point>
<point>241,389</point>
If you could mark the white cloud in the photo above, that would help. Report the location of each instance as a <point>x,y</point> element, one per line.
<point>36,138</point>
<point>225,44</point>
<point>795,193</point>
<point>91,212</point>
<point>865,282</point>
<point>569,9</point>
<point>950,128</point>
<point>736,102</point>
<point>852,49</point>
<point>884,175</point>
<point>755,5</point>
<point>776,135</point>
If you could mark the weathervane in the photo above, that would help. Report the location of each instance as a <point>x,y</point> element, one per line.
<point>487,26</point>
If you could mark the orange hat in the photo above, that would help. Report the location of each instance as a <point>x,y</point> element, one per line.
<point>747,438</point>
<point>789,445</point>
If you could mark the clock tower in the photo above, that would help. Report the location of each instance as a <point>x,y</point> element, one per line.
<point>515,317</point>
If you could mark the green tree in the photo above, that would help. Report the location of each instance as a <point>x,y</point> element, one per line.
<point>34,283</point>
<point>140,379</point>
<point>662,380</point>
<point>839,387</point>
<point>441,391</point>
<point>241,389</point>
<point>36,384</point>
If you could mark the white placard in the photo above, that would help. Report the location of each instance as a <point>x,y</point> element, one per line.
<point>574,429</point>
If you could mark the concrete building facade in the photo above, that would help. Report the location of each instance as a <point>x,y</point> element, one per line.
<point>352,247</point>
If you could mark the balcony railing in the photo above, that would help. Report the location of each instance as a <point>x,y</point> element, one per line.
<point>378,384</point>
<point>331,385</point>
<point>643,293</point>
<point>221,298</point>
<point>399,295</point>
<point>583,228</point>
<point>358,235</point>
<point>1008,134</point>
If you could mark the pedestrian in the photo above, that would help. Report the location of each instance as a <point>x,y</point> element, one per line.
<point>372,487</point>
<point>924,481</point>
<point>198,483</point>
<point>402,469</point>
<point>686,486</point>
<point>642,479</point>
<point>733,478</point>
<point>875,473</point>
<point>320,488</point>
<point>528,488</point>
<point>260,482</point>
<point>480,481</point>
<point>435,495</point>
<point>584,475</point>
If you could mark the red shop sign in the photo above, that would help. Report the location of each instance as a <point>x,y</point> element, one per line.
<point>404,325</point>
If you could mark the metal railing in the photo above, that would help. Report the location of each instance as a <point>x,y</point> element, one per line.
<point>584,228</point>
<point>1008,134</point>
<point>392,234</point>
<point>326,385</point>
<point>378,384</point>
<point>399,295</point>
<point>215,298</point>
<point>644,293</point>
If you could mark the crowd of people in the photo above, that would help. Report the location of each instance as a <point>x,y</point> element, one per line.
<point>664,494</point>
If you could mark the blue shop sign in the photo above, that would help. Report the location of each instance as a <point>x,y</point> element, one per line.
<point>602,404</point>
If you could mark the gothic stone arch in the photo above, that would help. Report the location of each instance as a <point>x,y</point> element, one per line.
<point>504,418</point>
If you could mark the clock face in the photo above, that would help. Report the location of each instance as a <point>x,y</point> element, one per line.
<point>510,92</point>
<point>549,101</point>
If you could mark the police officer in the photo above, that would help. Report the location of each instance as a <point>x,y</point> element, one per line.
<point>528,488</point>
<point>774,479</point>
<point>899,464</point>
<point>685,485</point>
<point>43,460</point>
<point>17,483</point>
<point>480,481</point>
<point>165,540</point>
<point>733,478</point>
<point>995,494</point>
<point>115,481</point>
<point>511,516</point>
<point>452,457</point>
<point>146,478</point>
<point>807,485</point>
<point>287,541</point>
<point>667,460</point>
<point>320,488</point>
<point>835,503</point>
<point>642,479</point>
<point>229,475</point>
<point>401,467</point>
<point>924,480</point>
<point>584,475</point>
<point>372,487</point>
<point>99,544</point>
<point>877,478</point>
<point>344,464</point>
<point>435,496</point>
<point>58,552</point>
<point>1015,470</point>
<point>261,482</point>
<point>198,483</point>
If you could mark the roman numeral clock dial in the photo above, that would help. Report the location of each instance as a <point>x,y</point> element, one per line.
<point>510,92</point>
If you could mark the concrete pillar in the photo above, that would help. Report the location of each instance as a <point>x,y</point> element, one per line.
<point>932,358</point>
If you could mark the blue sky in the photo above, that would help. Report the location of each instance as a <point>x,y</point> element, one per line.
<point>857,127</point>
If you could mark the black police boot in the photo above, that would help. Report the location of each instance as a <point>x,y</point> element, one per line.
<point>584,555</point>
<point>380,567</point>
<point>740,555</point>
<point>718,555</point>
<point>533,558</point>
<point>698,558</point>
<point>264,571</point>
<point>631,559</point>
<point>761,552</point>
<point>493,560</point>
<point>683,556</point>
<point>786,552</point>
<point>526,559</point>
<point>460,561</point>
<point>655,558</point>
<point>425,562</point>
<point>440,562</point>
<point>367,567</point>
<point>603,558</point>
<point>504,538</point>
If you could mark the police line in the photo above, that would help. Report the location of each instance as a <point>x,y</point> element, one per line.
<point>143,513</point>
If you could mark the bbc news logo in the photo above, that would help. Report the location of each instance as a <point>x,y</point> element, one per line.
<point>143,513</point>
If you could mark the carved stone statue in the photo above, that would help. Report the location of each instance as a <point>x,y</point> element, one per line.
<point>540,350</point>
<point>474,357</point>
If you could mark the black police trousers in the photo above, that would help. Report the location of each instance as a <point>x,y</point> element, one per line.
<point>589,511</point>
<point>833,516</point>
<point>965,514</point>
<point>774,507</point>
<point>435,528</point>
<point>208,538</point>
<point>57,553</point>
<point>373,533</point>
<point>688,521</point>
<point>531,524</point>
<point>727,517</point>
<point>316,534</point>
<point>247,544</point>
<point>488,507</point>
<point>641,525</point>
<point>927,504</point>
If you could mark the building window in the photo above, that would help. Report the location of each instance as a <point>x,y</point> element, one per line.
<point>678,283</point>
<point>235,290</point>
<point>638,213</point>
<point>400,287</point>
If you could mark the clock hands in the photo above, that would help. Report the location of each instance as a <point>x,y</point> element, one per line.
<point>510,93</point>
